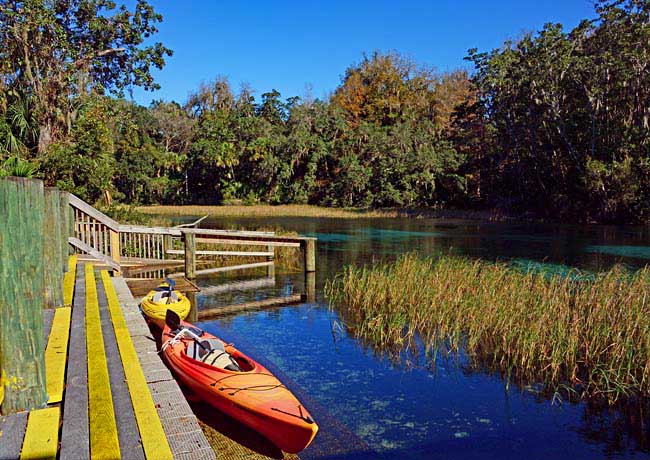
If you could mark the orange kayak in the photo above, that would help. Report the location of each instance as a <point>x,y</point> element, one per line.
<point>235,384</point>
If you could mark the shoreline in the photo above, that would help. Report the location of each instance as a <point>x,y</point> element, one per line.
<point>293,210</point>
<point>308,210</point>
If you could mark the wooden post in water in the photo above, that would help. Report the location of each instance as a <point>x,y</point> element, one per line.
<point>22,347</point>
<point>309,253</point>
<point>270,270</point>
<point>52,273</point>
<point>310,287</point>
<point>193,315</point>
<point>65,211</point>
<point>190,255</point>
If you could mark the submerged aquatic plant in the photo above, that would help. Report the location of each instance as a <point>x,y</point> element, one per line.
<point>587,334</point>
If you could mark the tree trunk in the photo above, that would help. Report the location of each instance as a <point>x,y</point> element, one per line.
<point>44,137</point>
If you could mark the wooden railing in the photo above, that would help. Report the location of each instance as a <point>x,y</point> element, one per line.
<point>105,239</point>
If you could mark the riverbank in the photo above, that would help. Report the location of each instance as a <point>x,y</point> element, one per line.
<point>303,210</point>
<point>579,336</point>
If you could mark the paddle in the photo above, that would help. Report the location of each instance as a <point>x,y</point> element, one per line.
<point>172,320</point>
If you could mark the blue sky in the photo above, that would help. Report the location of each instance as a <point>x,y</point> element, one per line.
<point>286,45</point>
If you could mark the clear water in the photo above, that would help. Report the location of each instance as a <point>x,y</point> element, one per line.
<point>411,412</point>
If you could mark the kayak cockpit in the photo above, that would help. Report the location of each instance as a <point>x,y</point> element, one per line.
<point>213,353</point>
<point>165,297</point>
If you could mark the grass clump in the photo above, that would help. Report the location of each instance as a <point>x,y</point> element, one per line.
<point>589,337</point>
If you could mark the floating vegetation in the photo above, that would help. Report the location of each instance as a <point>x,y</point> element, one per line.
<point>570,334</point>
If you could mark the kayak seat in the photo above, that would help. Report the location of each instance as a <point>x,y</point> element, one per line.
<point>162,296</point>
<point>211,352</point>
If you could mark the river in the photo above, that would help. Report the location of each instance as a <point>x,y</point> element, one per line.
<point>408,410</point>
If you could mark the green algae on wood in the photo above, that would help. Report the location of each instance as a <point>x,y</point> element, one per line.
<point>52,247</point>
<point>22,346</point>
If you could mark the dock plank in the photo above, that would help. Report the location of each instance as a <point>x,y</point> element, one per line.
<point>42,434</point>
<point>56,353</point>
<point>154,440</point>
<point>127,429</point>
<point>104,442</point>
<point>166,394</point>
<point>75,442</point>
<point>69,279</point>
<point>12,431</point>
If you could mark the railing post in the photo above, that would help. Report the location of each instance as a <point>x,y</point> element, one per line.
<point>22,346</point>
<point>115,248</point>
<point>309,253</point>
<point>167,244</point>
<point>64,207</point>
<point>52,274</point>
<point>190,255</point>
<point>72,230</point>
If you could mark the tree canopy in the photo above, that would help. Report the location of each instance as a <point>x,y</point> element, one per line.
<point>554,124</point>
<point>54,52</point>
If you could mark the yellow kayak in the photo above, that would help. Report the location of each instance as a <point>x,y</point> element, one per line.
<point>163,298</point>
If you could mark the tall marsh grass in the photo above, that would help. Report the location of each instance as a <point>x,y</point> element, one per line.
<point>586,337</point>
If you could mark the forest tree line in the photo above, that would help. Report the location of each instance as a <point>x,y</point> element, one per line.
<point>554,124</point>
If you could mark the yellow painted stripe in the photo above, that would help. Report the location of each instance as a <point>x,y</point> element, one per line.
<point>56,353</point>
<point>104,443</point>
<point>154,440</point>
<point>68,281</point>
<point>42,434</point>
<point>2,386</point>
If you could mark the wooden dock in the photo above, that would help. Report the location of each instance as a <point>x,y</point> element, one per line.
<point>114,398</point>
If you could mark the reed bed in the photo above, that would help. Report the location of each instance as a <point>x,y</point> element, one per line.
<point>585,337</point>
<point>304,210</point>
<point>288,210</point>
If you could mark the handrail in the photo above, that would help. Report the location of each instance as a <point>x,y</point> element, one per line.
<point>109,241</point>
<point>192,224</point>
<point>220,232</point>
<point>149,230</point>
<point>76,242</point>
<point>245,235</point>
<point>81,205</point>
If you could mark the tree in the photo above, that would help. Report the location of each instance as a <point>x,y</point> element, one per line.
<point>85,164</point>
<point>568,117</point>
<point>52,52</point>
